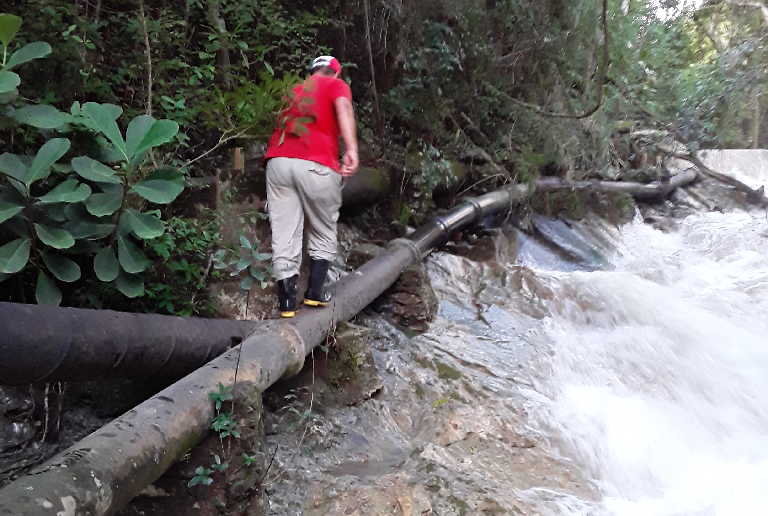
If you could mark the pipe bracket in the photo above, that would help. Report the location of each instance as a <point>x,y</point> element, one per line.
<point>411,245</point>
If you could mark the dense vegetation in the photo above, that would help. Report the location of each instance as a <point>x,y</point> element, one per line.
<point>451,94</point>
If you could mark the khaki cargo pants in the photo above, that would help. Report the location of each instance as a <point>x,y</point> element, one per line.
<point>299,189</point>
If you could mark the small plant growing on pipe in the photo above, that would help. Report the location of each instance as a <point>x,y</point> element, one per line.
<point>54,214</point>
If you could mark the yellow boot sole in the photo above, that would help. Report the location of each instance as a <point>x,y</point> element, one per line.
<point>287,315</point>
<point>312,302</point>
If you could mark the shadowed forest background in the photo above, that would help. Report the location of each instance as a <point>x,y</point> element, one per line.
<point>453,97</point>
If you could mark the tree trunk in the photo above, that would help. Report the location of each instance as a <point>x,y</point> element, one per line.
<point>148,53</point>
<point>223,61</point>
<point>756,123</point>
<point>374,90</point>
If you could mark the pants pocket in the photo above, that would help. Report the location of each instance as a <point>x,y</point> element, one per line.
<point>321,171</point>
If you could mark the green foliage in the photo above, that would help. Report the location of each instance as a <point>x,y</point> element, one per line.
<point>202,477</point>
<point>225,425</point>
<point>251,107</point>
<point>248,263</point>
<point>59,213</point>
<point>182,257</point>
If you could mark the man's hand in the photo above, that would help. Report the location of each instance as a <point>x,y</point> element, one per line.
<point>345,115</point>
<point>349,163</point>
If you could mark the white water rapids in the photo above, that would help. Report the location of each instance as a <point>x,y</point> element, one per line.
<point>587,370</point>
<point>659,370</point>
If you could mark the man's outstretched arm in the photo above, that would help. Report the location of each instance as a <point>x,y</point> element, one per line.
<point>345,115</point>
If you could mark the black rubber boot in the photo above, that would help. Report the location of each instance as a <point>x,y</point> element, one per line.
<point>316,294</point>
<point>286,296</point>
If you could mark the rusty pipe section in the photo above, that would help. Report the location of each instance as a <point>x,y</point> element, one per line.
<point>42,343</point>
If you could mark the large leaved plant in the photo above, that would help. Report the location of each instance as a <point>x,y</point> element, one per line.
<point>59,209</point>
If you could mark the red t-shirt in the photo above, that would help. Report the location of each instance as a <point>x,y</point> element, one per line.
<point>308,128</point>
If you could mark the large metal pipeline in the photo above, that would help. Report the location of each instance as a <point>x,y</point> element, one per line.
<point>41,343</point>
<point>105,470</point>
<point>76,344</point>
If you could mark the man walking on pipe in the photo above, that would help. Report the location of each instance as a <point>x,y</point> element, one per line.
<point>304,179</point>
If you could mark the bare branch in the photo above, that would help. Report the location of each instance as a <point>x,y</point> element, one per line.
<point>148,51</point>
<point>226,136</point>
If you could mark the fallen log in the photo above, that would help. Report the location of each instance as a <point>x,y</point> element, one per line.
<point>656,189</point>
<point>42,343</point>
<point>105,470</point>
<point>755,196</point>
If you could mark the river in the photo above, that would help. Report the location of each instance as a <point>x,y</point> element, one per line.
<point>658,377</point>
<point>598,371</point>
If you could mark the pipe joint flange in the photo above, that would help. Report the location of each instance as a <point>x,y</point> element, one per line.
<point>411,245</point>
<point>475,205</point>
<point>296,348</point>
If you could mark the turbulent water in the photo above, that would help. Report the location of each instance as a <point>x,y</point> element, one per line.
<point>591,370</point>
<point>658,381</point>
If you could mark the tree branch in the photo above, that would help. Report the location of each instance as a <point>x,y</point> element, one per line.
<point>148,52</point>
<point>225,137</point>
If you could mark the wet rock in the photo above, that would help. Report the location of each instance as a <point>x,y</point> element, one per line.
<point>16,423</point>
<point>559,234</point>
<point>393,495</point>
<point>410,302</point>
<point>353,370</point>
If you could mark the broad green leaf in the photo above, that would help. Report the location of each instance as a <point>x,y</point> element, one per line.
<point>54,237</point>
<point>9,26</point>
<point>95,170</point>
<point>107,152</point>
<point>46,292</point>
<point>41,116</point>
<point>87,230</point>
<point>144,225</point>
<point>68,191</point>
<point>103,118</point>
<point>14,255</point>
<point>244,242</point>
<point>137,129</point>
<point>161,186</point>
<point>8,82</point>
<point>132,259</point>
<point>106,203</point>
<point>62,267</point>
<point>49,153</point>
<point>8,210</point>
<point>11,165</point>
<point>83,225</point>
<point>28,52</point>
<point>105,265</point>
<point>161,131</point>
<point>130,285</point>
